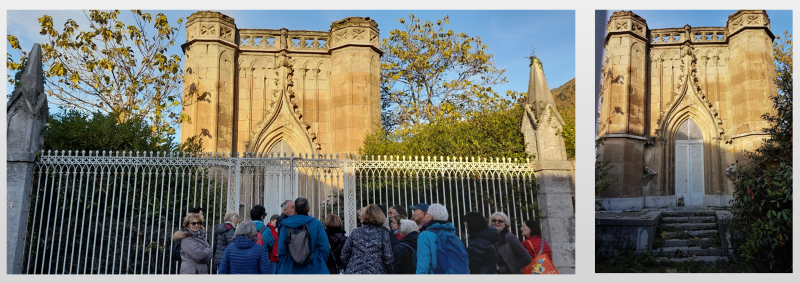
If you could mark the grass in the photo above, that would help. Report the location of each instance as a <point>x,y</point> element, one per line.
<point>630,262</point>
<point>714,241</point>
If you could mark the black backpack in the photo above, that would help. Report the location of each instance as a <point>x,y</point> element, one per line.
<point>413,255</point>
<point>299,245</point>
<point>176,250</point>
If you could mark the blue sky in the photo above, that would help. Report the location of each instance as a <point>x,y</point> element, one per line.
<point>508,34</point>
<point>780,20</point>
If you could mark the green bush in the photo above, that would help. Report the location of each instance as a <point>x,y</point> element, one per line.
<point>761,230</point>
<point>75,130</point>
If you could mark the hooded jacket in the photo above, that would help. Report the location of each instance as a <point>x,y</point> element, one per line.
<point>244,257</point>
<point>404,257</point>
<point>195,251</point>
<point>222,238</point>
<point>337,239</point>
<point>426,245</point>
<point>512,256</point>
<point>482,251</point>
<point>368,250</point>
<point>319,245</point>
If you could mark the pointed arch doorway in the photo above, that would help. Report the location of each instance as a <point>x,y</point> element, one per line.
<point>689,179</point>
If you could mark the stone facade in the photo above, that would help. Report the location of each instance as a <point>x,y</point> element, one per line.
<point>265,90</point>
<point>720,78</point>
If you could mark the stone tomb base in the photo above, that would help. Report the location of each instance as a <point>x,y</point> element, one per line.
<point>619,204</point>
<point>616,231</point>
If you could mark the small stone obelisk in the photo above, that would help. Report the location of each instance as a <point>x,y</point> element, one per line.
<point>27,115</point>
<point>555,174</point>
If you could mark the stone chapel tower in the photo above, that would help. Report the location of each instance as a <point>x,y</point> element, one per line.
<point>269,91</point>
<point>684,102</point>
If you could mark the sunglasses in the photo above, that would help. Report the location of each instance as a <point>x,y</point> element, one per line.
<point>497,221</point>
<point>195,223</point>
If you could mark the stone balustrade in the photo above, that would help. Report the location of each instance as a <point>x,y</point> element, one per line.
<point>271,40</point>
<point>699,35</point>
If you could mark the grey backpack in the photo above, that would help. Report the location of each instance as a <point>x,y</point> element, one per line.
<point>299,244</point>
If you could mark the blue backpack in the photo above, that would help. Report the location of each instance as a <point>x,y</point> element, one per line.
<point>452,257</point>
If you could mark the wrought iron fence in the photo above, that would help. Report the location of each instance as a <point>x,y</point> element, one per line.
<point>115,213</point>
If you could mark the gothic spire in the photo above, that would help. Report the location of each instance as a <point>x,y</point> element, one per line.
<point>539,96</point>
<point>33,77</point>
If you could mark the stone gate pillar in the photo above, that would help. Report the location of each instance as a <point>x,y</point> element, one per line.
<point>26,116</point>
<point>555,174</point>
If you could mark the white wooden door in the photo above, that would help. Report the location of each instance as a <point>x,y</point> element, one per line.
<point>689,179</point>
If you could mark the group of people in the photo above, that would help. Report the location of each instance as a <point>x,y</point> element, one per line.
<point>388,242</point>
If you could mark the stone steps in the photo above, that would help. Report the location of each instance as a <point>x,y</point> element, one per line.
<point>694,233</point>
<point>689,251</point>
<point>690,219</point>
<point>693,226</point>
<point>698,258</point>
<point>693,230</point>
<point>686,243</point>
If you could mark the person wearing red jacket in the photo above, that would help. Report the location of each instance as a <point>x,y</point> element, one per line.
<point>533,239</point>
<point>273,249</point>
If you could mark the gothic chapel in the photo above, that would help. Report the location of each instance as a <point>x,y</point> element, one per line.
<point>684,103</point>
<point>280,91</point>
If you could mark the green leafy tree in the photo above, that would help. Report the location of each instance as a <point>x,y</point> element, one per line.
<point>112,66</point>
<point>489,134</point>
<point>430,74</point>
<point>761,228</point>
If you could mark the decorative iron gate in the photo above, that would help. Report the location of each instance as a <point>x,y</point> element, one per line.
<point>115,213</point>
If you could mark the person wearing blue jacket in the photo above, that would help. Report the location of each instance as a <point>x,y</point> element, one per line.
<point>426,242</point>
<point>320,249</point>
<point>243,256</point>
<point>258,214</point>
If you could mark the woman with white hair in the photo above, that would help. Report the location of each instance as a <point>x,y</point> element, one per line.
<point>405,260</point>
<point>511,255</point>
<point>243,256</point>
<point>224,235</point>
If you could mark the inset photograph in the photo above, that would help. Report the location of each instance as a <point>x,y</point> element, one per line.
<point>693,165</point>
<point>291,142</point>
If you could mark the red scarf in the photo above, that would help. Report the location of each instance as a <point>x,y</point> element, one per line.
<point>273,255</point>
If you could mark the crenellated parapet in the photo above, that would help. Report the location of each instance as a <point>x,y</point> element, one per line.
<point>623,22</point>
<point>355,31</point>
<point>748,19</point>
<point>208,25</point>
